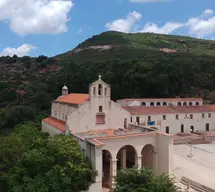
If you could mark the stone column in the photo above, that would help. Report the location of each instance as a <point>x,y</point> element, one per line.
<point>139,161</point>
<point>123,159</point>
<point>113,171</point>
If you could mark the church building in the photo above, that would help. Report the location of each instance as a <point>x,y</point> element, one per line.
<point>109,133</point>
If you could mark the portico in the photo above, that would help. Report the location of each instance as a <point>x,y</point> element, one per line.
<point>115,151</point>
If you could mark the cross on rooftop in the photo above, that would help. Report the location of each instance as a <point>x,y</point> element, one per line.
<point>99,77</point>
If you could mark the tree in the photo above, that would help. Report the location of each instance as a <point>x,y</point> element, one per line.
<point>143,180</point>
<point>32,161</point>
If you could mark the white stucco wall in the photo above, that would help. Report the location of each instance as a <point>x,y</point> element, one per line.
<point>84,118</point>
<point>50,129</point>
<point>174,124</point>
<point>147,102</point>
<point>60,110</point>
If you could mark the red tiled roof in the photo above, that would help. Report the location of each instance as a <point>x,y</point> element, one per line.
<point>144,110</point>
<point>212,107</point>
<point>137,110</point>
<point>56,123</point>
<point>100,141</point>
<point>163,99</point>
<point>73,98</point>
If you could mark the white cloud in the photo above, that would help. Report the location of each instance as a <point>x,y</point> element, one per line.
<point>168,28</point>
<point>208,12</point>
<point>19,51</point>
<point>203,25</point>
<point>128,25</point>
<point>147,1</point>
<point>124,25</point>
<point>36,16</point>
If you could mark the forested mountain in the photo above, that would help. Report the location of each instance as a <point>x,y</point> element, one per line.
<point>136,65</point>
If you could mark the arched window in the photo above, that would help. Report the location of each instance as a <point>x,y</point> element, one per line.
<point>152,104</point>
<point>179,103</point>
<point>190,103</point>
<point>158,104</point>
<point>105,91</point>
<point>185,104</point>
<point>94,91</point>
<point>197,103</point>
<point>100,89</point>
<point>164,104</point>
<point>143,104</point>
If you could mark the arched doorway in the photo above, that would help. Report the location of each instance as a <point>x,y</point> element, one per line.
<point>126,157</point>
<point>148,156</point>
<point>106,168</point>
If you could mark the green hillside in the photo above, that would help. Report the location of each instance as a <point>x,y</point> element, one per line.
<point>136,65</point>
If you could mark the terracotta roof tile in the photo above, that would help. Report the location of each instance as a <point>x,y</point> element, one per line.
<point>143,110</point>
<point>139,110</point>
<point>73,98</point>
<point>212,107</point>
<point>58,124</point>
<point>163,99</point>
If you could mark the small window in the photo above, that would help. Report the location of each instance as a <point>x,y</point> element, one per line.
<point>179,103</point>
<point>152,104</point>
<point>100,89</point>
<point>149,118</point>
<point>100,108</point>
<point>182,128</point>
<point>207,127</point>
<point>105,91</point>
<point>185,103</point>
<point>203,115</point>
<point>143,104</point>
<point>209,115</point>
<point>63,116</point>
<point>138,120</point>
<point>192,129</point>
<point>197,103</point>
<point>164,104</point>
<point>190,103</point>
<point>176,117</point>
<point>167,129</point>
<point>131,119</point>
<point>164,117</point>
<point>191,116</point>
<point>158,104</point>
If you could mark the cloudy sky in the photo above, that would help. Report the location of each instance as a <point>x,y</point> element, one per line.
<point>50,27</point>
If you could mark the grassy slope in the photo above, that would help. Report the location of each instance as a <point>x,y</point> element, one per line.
<point>141,45</point>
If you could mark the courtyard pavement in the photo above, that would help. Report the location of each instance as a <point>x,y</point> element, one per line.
<point>199,168</point>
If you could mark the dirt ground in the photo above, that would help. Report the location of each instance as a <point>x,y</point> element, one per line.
<point>199,168</point>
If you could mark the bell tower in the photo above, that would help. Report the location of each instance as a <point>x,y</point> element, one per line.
<point>99,89</point>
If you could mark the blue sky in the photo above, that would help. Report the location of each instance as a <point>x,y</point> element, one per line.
<point>49,27</point>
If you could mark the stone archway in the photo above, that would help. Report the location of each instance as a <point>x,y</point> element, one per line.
<point>148,156</point>
<point>106,168</point>
<point>126,157</point>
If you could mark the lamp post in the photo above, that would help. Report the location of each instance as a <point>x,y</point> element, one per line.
<point>191,154</point>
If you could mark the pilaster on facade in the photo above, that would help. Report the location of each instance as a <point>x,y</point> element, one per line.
<point>113,171</point>
<point>139,161</point>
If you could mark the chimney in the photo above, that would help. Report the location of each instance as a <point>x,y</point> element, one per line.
<point>64,90</point>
